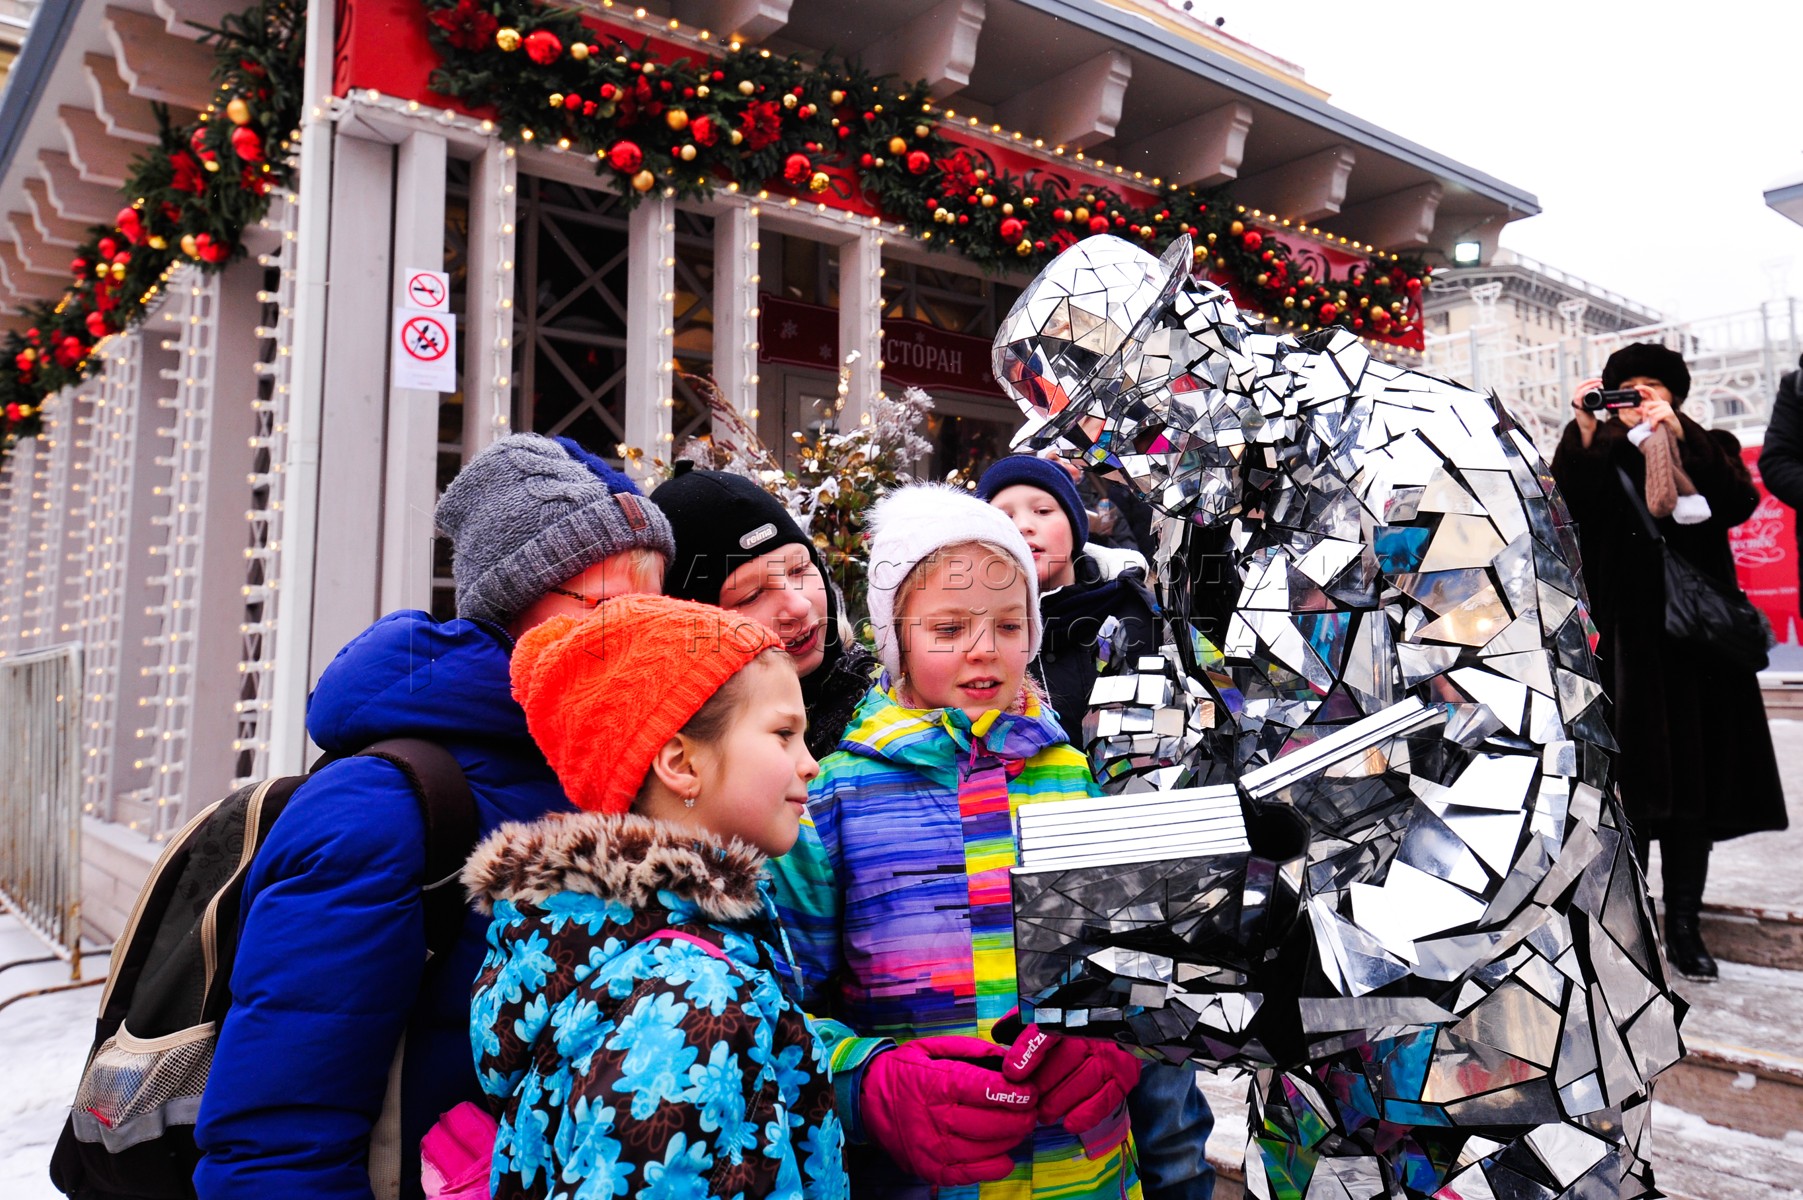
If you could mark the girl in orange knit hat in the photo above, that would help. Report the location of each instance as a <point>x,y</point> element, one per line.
<point>635,1024</point>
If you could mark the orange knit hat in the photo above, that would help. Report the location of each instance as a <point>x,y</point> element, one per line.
<point>603,692</point>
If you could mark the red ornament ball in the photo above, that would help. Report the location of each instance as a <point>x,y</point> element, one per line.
<point>1098,224</point>
<point>96,323</point>
<point>107,248</point>
<point>1328,312</point>
<point>625,156</point>
<point>1413,287</point>
<point>543,47</point>
<point>797,168</point>
<point>1012,228</point>
<point>919,161</point>
<point>1253,239</point>
<point>130,224</point>
<point>247,144</point>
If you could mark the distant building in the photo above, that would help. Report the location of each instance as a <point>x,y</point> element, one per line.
<point>15,21</point>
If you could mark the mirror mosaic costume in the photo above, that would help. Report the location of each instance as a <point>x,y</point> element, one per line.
<point>1438,957</point>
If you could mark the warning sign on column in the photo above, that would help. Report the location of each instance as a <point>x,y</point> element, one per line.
<point>425,350</point>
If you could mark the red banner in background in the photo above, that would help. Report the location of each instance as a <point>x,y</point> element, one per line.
<point>1765,555</point>
<point>807,335</point>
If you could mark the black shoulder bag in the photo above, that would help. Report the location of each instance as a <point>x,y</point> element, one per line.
<point>1700,610</point>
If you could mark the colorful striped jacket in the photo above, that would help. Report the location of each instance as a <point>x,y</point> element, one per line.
<point>899,911</point>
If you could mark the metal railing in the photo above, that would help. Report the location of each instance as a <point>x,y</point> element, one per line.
<point>40,796</point>
<point>1735,362</point>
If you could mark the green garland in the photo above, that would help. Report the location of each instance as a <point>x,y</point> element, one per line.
<point>752,120</point>
<point>189,199</point>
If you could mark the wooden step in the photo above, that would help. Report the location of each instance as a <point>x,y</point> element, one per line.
<point>1759,937</point>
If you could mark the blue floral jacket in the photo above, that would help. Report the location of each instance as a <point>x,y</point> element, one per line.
<point>634,1025</point>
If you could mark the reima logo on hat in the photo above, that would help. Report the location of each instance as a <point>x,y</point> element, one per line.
<point>758,536</point>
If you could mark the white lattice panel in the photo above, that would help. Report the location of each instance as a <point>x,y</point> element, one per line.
<point>49,513</point>
<point>189,325</point>
<point>269,447</point>
<point>113,439</point>
<point>15,541</point>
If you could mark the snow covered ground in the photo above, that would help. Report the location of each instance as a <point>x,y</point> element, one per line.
<point>45,1041</point>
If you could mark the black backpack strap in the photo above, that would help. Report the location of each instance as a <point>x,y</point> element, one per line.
<point>451,829</point>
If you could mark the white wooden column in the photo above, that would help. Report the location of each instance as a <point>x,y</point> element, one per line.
<point>346,579</point>
<point>860,323</point>
<point>488,325</point>
<point>735,306</point>
<point>410,485</point>
<point>650,326</point>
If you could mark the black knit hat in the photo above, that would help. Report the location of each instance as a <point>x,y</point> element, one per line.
<point>721,521</point>
<point>1652,361</point>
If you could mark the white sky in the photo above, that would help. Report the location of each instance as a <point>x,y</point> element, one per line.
<point>1647,131</point>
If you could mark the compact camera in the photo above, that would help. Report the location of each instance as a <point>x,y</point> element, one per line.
<point>1599,399</point>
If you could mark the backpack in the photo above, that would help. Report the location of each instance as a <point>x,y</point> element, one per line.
<point>130,1132</point>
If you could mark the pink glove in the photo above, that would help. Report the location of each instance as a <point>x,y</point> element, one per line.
<point>942,1114</point>
<point>1083,1083</point>
<point>456,1153</point>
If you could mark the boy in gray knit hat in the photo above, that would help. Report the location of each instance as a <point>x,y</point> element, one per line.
<point>331,966</point>
<point>541,526</point>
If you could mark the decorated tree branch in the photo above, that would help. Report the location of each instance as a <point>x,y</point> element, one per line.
<point>188,199</point>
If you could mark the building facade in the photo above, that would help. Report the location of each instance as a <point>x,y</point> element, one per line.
<point>246,479</point>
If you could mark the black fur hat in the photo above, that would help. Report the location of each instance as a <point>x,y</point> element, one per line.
<point>1652,361</point>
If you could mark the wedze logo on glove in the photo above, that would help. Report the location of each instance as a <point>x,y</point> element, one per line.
<point>1018,1067</point>
<point>1009,1097</point>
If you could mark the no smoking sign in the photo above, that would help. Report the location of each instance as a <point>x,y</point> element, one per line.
<point>423,348</point>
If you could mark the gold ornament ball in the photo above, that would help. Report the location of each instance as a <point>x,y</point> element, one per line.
<point>556,99</point>
<point>1263,279</point>
<point>157,241</point>
<point>1237,228</point>
<point>746,87</point>
<point>579,51</point>
<point>189,246</point>
<point>1308,281</point>
<point>507,38</point>
<point>1007,210</point>
<point>212,164</point>
<point>702,90</point>
<point>238,110</point>
<point>100,270</point>
<point>837,96</point>
<point>644,181</point>
<point>1082,214</point>
<point>789,100</point>
<point>736,136</point>
<point>688,153</point>
<point>118,272</point>
<point>1289,302</point>
<point>898,145</point>
<point>921,131</point>
<point>1023,247</point>
<point>1211,239</point>
<point>819,181</point>
<point>677,120</point>
<point>988,199</point>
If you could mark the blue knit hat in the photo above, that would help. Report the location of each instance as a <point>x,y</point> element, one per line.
<point>1045,475</point>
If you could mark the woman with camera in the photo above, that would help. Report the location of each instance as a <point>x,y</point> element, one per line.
<point>1696,761</point>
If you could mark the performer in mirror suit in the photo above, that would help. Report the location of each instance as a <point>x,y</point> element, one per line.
<point>1437,956</point>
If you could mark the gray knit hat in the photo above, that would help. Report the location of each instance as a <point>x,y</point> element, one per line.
<point>529,512</point>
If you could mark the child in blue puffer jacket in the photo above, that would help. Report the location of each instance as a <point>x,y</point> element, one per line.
<point>637,1025</point>
<point>331,978</point>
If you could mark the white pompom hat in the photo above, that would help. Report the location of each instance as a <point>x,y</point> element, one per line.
<point>913,522</point>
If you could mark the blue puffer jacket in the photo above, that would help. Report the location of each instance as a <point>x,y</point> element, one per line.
<point>330,967</point>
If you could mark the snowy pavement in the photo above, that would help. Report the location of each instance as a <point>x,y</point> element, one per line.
<point>45,1041</point>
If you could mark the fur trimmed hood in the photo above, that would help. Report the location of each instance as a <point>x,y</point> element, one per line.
<point>615,856</point>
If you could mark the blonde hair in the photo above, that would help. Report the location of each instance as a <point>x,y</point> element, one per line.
<point>646,568</point>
